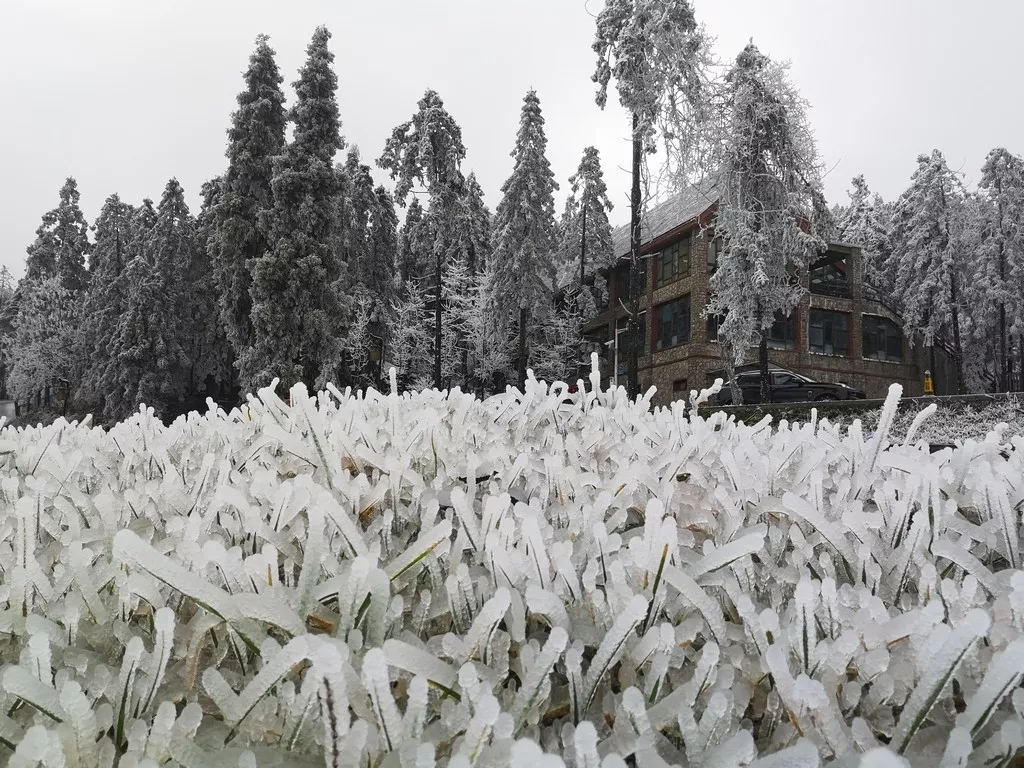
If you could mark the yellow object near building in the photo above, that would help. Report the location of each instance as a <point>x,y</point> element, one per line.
<point>929,386</point>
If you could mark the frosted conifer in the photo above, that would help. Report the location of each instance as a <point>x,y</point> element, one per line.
<point>240,227</point>
<point>298,316</point>
<point>62,242</point>
<point>524,235</point>
<point>771,209</point>
<point>928,262</point>
<point>586,235</point>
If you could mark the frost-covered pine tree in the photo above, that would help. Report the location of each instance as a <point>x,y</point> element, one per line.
<point>298,314</point>
<point>150,364</point>
<point>62,242</point>
<point>7,287</point>
<point>209,353</point>
<point>42,346</point>
<point>659,57</point>
<point>414,243</point>
<point>474,227</point>
<point>770,205</point>
<point>928,261</point>
<point>866,221</point>
<point>525,237</point>
<point>586,235</point>
<point>428,150</point>
<point>106,299</point>
<point>999,262</point>
<point>378,292</point>
<point>240,220</point>
<point>355,204</point>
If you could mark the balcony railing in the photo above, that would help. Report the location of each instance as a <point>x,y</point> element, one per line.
<point>839,289</point>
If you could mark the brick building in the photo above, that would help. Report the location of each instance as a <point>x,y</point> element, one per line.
<point>839,332</point>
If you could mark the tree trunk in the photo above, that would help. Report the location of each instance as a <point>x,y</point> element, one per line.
<point>583,249</point>
<point>522,348</point>
<point>1004,358</point>
<point>729,363</point>
<point>958,353</point>
<point>931,365</point>
<point>762,359</point>
<point>632,333</point>
<point>437,317</point>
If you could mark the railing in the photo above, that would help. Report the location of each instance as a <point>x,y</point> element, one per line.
<point>840,289</point>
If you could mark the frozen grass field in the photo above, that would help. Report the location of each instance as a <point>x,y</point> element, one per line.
<point>530,580</point>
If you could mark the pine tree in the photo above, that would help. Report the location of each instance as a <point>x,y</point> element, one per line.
<point>658,55</point>
<point>585,233</point>
<point>770,206</point>
<point>356,201</point>
<point>928,262</point>
<point>524,234</point>
<point>415,244</point>
<point>865,222</point>
<point>42,346</point>
<point>150,362</point>
<point>1002,253</point>
<point>106,298</point>
<point>428,150</point>
<point>240,228</point>
<point>6,326</point>
<point>62,242</point>
<point>208,352</point>
<point>474,228</point>
<point>298,315</point>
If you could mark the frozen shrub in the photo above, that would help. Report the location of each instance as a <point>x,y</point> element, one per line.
<point>540,578</point>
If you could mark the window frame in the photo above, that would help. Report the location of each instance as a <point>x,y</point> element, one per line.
<point>787,322</point>
<point>679,253</point>
<point>825,314</point>
<point>881,321</point>
<point>683,317</point>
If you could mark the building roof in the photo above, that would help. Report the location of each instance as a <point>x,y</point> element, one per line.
<point>679,208</point>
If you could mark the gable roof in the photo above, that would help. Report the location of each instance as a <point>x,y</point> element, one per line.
<point>679,208</point>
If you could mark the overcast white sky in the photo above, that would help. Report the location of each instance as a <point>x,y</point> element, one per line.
<point>124,94</point>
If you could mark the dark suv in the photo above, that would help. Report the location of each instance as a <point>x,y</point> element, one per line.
<point>788,387</point>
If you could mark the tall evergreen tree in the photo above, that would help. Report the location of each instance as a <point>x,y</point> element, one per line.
<point>866,222</point>
<point>927,257</point>
<point>474,226</point>
<point>524,234</point>
<point>209,355</point>
<point>586,235</point>
<point>770,206</point>
<point>240,227</point>
<point>150,362</point>
<point>356,202</point>
<point>298,315</point>
<point>415,244</point>
<point>657,54</point>
<point>106,299</point>
<point>1000,260</point>
<point>62,242</point>
<point>428,150</point>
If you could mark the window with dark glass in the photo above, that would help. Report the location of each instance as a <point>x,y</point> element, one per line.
<point>714,322</point>
<point>672,323</point>
<point>829,332</point>
<point>673,262</point>
<point>782,334</point>
<point>714,249</point>
<point>680,385</point>
<point>829,275</point>
<point>883,339</point>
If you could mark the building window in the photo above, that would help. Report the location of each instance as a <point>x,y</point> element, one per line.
<point>714,323</point>
<point>672,323</point>
<point>714,249</point>
<point>680,385</point>
<point>829,275</point>
<point>620,282</point>
<point>829,332</point>
<point>673,262</point>
<point>782,334</point>
<point>883,339</point>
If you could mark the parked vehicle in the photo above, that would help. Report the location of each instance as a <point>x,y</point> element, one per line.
<point>788,387</point>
